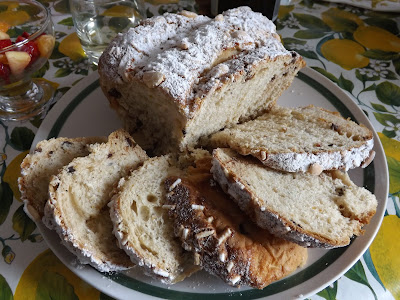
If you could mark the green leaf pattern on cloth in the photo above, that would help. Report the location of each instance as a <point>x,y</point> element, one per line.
<point>54,286</point>
<point>5,290</point>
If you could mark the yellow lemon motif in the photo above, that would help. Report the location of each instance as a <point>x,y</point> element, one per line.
<point>385,254</point>
<point>12,173</point>
<point>120,11</point>
<point>373,37</point>
<point>334,18</point>
<point>48,262</point>
<point>391,146</point>
<point>71,47</point>
<point>14,18</point>
<point>345,53</point>
<point>284,10</point>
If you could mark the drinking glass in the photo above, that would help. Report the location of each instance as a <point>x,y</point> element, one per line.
<point>26,42</point>
<point>97,22</point>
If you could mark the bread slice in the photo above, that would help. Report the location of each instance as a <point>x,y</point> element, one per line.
<point>178,77</point>
<point>142,226</point>
<point>78,197</point>
<point>313,211</point>
<point>301,139</point>
<point>46,160</point>
<point>224,240</point>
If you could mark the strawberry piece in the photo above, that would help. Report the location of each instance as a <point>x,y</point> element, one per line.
<point>22,37</point>
<point>5,72</point>
<point>5,43</point>
<point>32,49</point>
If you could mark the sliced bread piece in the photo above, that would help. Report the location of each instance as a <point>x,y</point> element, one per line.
<point>142,226</point>
<point>78,197</point>
<point>301,139</point>
<point>313,211</point>
<point>46,160</point>
<point>224,240</point>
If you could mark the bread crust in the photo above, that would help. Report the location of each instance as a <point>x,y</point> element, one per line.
<point>190,66</point>
<point>78,197</point>
<point>46,159</point>
<point>224,242</point>
<point>160,256</point>
<point>239,188</point>
<point>328,153</point>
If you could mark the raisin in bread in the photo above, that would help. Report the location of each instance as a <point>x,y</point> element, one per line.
<point>301,139</point>
<point>141,222</point>
<point>177,77</point>
<point>225,242</point>
<point>314,211</point>
<point>78,197</point>
<point>37,168</point>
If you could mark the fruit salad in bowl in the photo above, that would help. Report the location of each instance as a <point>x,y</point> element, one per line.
<point>26,42</point>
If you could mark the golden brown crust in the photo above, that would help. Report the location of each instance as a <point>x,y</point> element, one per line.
<point>224,240</point>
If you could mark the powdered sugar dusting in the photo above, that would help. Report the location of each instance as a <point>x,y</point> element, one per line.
<point>182,49</point>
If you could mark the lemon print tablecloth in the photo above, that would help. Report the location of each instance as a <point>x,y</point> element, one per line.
<point>356,48</point>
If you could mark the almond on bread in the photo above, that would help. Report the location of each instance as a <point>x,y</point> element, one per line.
<point>326,210</point>
<point>301,139</point>
<point>142,226</point>
<point>78,197</point>
<point>175,78</point>
<point>225,242</point>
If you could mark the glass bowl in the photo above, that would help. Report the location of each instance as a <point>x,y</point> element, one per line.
<point>26,42</point>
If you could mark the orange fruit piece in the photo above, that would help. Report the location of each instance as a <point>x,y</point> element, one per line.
<point>4,26</point>
<point>14,18</point>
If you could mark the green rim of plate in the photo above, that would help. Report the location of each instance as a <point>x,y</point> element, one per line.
<point>284,284</point>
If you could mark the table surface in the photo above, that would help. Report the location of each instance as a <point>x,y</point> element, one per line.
<point>356,47</point>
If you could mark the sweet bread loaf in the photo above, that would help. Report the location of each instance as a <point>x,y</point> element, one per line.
<point>142,226</point>
<point>326,210</point>
<point>178,77</point>
<point>37,168</point>
<point>301,139</point>
<point>78,197</point>
<point>224,240</point>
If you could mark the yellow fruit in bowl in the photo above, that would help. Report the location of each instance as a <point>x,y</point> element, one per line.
<point>4,26</point>
<point>376,38</point>
<point>45,44</point>
<point>345,53</point>
<point>18,61</point>
<point>385,254</point>
<point>12,173</point>
<point>4,36</point>
<point>14,18</point>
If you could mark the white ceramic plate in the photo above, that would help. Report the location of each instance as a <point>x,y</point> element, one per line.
<point>84,111</point>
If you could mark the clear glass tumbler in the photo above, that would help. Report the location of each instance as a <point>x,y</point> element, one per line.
<point>97,22</point>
